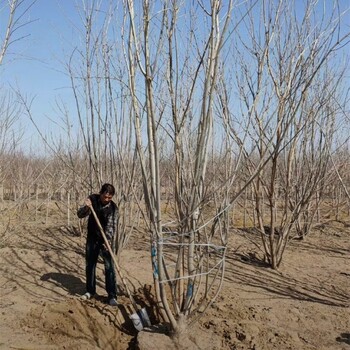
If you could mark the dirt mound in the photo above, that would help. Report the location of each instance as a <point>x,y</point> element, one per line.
<point>75,325</point>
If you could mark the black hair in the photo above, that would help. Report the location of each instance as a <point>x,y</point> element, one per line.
<point>107,188</point>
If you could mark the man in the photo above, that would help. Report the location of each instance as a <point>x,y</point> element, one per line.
<point>107,212</point>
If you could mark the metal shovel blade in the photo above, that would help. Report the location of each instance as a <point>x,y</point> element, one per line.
<point>136,320</point>
<point>144,317</point>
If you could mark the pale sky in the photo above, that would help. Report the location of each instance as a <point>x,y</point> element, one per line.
<point>35,64</point>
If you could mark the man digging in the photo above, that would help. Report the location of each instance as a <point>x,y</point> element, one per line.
<point>107,213</point>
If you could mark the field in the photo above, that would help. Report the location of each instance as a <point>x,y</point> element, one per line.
<point>303,306</point>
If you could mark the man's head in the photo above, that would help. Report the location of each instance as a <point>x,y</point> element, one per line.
<point>106,193</point>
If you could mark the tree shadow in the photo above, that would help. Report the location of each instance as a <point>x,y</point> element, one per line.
<point>251,258</point>
<point>72,284</point>
<point>143,297</point>
<point>344,338</point>
<point>70,231</point>
<point>274,283</point>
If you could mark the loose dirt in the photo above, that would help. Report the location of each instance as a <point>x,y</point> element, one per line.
<point>304,305</point>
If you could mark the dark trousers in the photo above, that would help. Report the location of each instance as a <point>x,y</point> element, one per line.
<point>93,248</point>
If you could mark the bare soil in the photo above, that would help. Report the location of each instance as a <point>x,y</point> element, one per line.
<point>304,305</point>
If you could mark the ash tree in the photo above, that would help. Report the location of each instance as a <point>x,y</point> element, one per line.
<point>289,78</point>
<point>176,55</point>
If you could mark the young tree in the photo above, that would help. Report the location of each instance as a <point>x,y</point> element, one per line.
<point>16,11</point>
<point>180,67</point>
<point>284,66</point>
<point>104,127</point>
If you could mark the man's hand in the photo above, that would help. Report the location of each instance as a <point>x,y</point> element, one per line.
<point>85,210</point>
<point>104,248</point>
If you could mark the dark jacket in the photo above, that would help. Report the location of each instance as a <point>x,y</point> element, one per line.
<point>107,214</point>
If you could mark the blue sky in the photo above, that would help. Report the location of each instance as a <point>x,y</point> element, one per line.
<point>35,64</point>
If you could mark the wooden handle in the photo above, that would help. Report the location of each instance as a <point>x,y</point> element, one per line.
<point>114,259</point>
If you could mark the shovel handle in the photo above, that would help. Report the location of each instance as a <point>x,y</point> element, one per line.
<point>114,259</point>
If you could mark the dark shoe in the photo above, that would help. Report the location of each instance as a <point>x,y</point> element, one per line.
<point>113,302</point>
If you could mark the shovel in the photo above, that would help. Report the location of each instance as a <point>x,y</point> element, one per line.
<point>139,317</point>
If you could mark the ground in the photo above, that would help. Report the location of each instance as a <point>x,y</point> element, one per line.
<point>304,305</point>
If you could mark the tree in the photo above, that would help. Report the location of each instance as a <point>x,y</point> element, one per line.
<point>16,14</point>
<point>15,11</point>
<point>284,67</point>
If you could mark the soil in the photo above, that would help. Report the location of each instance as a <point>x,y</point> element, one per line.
<point>304,305</point>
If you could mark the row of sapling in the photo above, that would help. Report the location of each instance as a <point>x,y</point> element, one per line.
<point>340,195</point>
<point>289,115</point>
<point>16,12</point>
<point>80,160</point>
<point>17,173</point>
<point>105,127</point>
<point>10,110</point>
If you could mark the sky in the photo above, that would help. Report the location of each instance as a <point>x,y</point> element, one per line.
<point>35,64</point>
